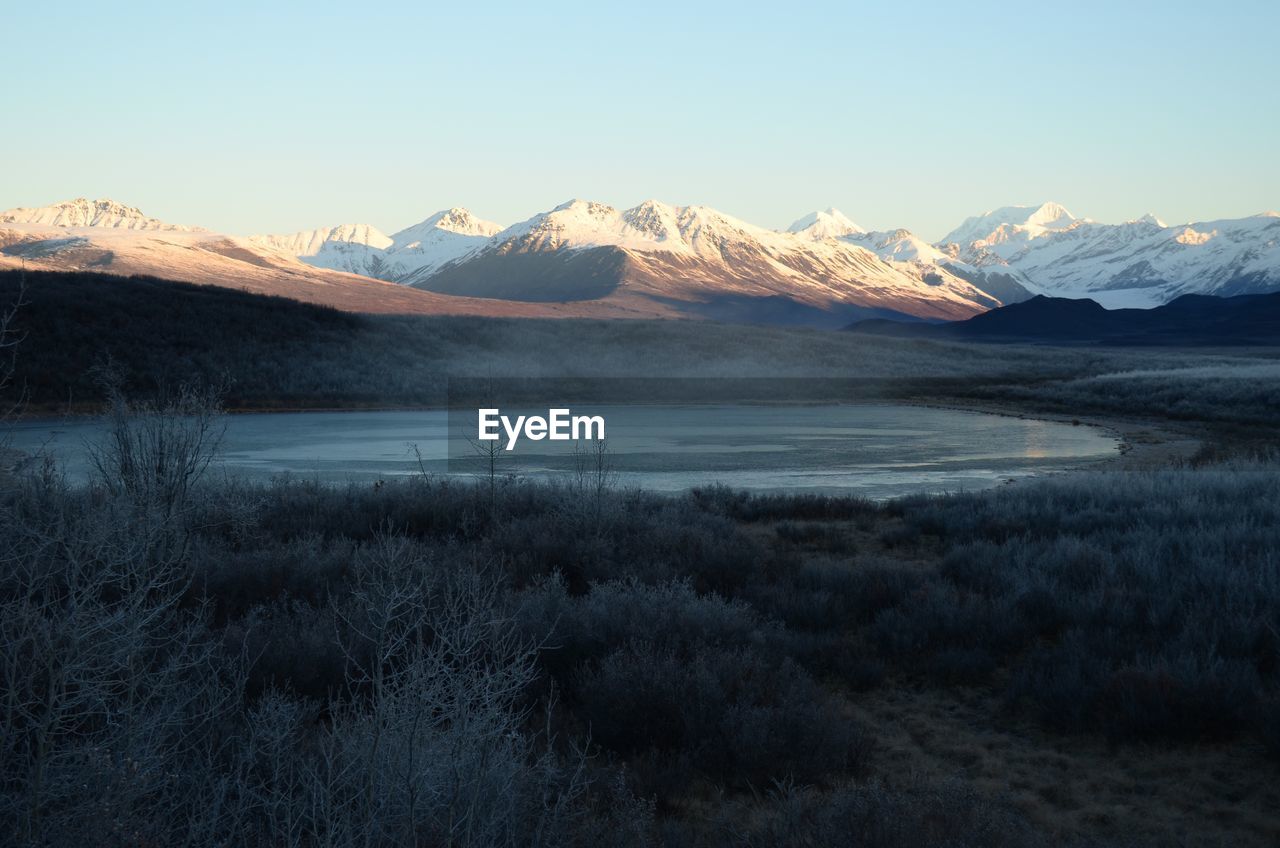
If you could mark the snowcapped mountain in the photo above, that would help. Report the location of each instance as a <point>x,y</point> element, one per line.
<point>688,231</point>
<point>313,242</point>
<point>1145,263</point>
<point>456,220</point>
<point>701,262</point>
<point>354,248</point>
<point>1002,232</point>
<point>904,246</point>
<point>900,246</point>
<point>1148,218</point>
<point>829,223</point>
<point>82,212</point>
<point>447,236</point>
<point>906,251</point>
<point>412,252</point>
<point>1140,263</point>
<point>109,237</point>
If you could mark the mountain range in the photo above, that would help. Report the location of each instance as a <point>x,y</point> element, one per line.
<point>589,259</point>
<point>1140,263</point>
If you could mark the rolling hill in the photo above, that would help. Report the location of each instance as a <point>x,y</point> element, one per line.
<point>1190,320</point>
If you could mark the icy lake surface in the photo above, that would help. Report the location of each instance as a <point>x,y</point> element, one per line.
<point>875,450</point>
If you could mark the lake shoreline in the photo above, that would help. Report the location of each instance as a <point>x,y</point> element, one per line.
<point>1144,443</point>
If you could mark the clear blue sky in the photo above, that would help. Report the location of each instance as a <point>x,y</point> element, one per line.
<point>246,118</point>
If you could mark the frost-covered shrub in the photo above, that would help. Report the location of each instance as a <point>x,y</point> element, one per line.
<point>670,616</point>
<point>1140,604</point>
<point>735,716</point>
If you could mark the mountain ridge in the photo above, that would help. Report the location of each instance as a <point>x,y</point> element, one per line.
<point>699,256</point>
<point>661,260</point>
<point>362,249</point>
<point>82,212</point>
<point>1141,263</point>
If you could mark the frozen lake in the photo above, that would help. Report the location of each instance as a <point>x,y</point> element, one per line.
<point>875,450</point>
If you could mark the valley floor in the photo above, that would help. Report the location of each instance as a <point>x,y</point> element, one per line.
<point>1091,658</point>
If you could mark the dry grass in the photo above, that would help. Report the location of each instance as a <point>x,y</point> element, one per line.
<point>1074,788</point>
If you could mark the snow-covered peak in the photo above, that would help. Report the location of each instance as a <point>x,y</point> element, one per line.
<point>828,223</point>
<point>588,209</point>
<point>652,225</point>
<point>1001,233</point>
<point>703,228</point>
<point>1050,216</point>
<point>455,221</point>
<point>654,219</point>
<point>574,223</point>
<point>313,242</point>
<point>1033,220</point>
<point>700,254</point>
<point>445,237</point>
<point>82,212</point>
<point>361,249</point>
<point>1148,218</point>
<point>899,245</point>
<point>1141,263</point>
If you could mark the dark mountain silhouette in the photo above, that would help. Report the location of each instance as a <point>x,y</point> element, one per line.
<point>1189,320</point>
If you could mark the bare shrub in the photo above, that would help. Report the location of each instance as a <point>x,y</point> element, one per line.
<point>10,338</point>
<point>156,451</point>
<point>592,478</point>
<point>109,687</point>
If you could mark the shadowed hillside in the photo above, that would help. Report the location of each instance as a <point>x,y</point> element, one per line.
<point>1188,320</point>
<point>276,353</point>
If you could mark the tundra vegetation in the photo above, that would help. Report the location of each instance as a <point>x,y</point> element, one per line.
<point>1092,659</point>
